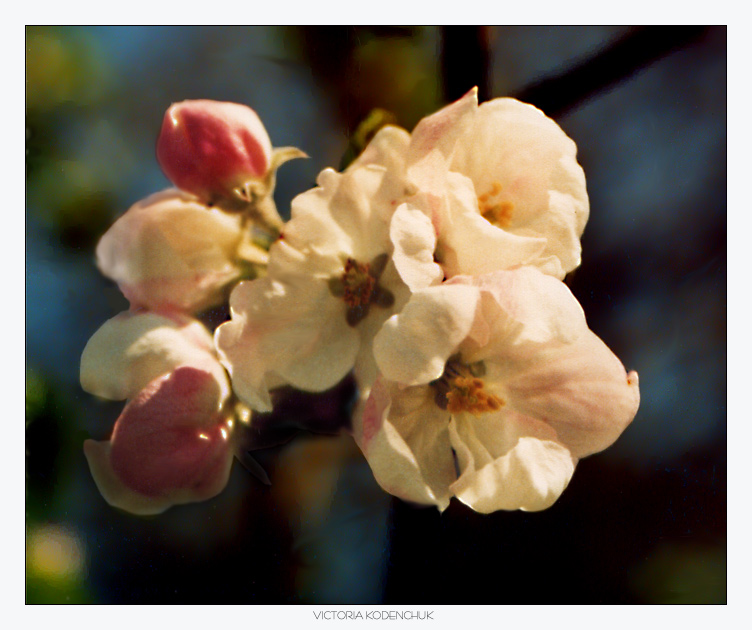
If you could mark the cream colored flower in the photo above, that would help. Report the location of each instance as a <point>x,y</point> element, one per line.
<point>500,182</point>
<point>493,387</point>
<point>331,284</point>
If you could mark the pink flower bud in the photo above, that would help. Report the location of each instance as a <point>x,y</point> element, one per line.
<point>208,148</point>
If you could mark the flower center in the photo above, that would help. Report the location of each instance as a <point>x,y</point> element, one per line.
<point>358,283</point>
<point>493,209</point>
<point>467,394</point>
<point>359,287</point>
<point>460,388</point>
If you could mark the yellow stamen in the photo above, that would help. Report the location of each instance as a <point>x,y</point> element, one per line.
<point>497,212</point>
<point>467,394</point>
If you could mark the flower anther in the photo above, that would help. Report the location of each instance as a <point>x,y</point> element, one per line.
<point>494,210</point>
<point>359,287</point>
<point>358,283</point>
<point>460,389</point>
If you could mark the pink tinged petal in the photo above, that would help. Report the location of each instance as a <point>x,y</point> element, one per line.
<point>508,462</point>
<point>169,252</point>
<point>370,413</point>
<point>169,446</point>
<point>295,331</point>
<point>208,148</point>
<point>520,148</point>
<point>388,148</point>
<point>434,138</point>
<point>468,244</point>
<point>523,306</point>
<point>404,438</point>
<point>414,240</point>
<point>580,389</point>
<point>132,349</point>
<point>532,336</point>
<point>413,346</point>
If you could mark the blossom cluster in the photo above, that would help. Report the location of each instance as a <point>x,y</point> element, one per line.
<point>431,269</point>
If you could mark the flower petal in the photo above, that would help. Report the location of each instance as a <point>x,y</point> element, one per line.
<point>433,141</point>
<point>580,389</point>
<point>297,331</point>
<point>388,148</point>
<point>403,435</point>
<point>532,336</point>
<point>521,306</point>
<point>414,242</point>
<point>171,252</point>
<point>132,349</point>
<point>347,214</point>
<point>469,244</point>
<point>412,347</point>
<point>508,462</point>
<point>169,446</point>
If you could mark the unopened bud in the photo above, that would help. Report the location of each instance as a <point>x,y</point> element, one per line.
<point>210,148</point>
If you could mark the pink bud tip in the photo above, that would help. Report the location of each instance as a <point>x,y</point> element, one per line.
<point>208,148</point>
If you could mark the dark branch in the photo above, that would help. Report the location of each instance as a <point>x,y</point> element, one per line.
<point>636,50</point>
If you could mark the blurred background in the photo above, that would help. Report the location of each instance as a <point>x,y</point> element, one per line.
<point>643,522</point>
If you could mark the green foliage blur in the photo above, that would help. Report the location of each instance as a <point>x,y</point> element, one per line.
<point>70,143</point>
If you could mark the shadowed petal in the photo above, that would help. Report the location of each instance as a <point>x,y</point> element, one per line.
<point>508,462</point>
<point>413,346</point>
<point>414,240</point>
<point>296,331</point>
<point>171,252</point>
<point>403,435</point>
<point>132,349</point>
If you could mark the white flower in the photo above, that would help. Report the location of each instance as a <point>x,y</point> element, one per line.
<point>170,252</point>
<point>500,372</point>
<point>172,442</point>
<point>330,285</point>
<point>500,182</point>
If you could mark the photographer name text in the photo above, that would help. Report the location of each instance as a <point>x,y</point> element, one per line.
<point>377,615</point>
